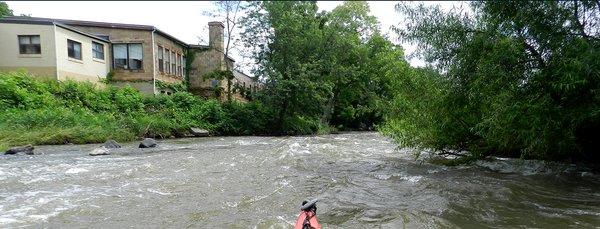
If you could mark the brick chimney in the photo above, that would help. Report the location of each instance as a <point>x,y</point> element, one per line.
<point>215,35</point>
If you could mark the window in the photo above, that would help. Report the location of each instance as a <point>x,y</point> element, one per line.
<point>98,50</point>
<point>29,44</point>
<point>74,49</point>
<point>180,65</point>
<point>183,65</point>
<point>103,36</point>
<point>128,56</point>
<point>120,56</point>
<point>167,62</point>
<point>178,59</point>
<point>161,67</point>
<point>173,71</point>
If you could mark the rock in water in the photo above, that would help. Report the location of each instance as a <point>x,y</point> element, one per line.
<point>100,151</point>
<point>148,143</point>
<point>199,132</point>
<point>111,144</point>
<point>28,149</point>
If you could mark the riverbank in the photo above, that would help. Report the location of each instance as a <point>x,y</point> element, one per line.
<point>42,112</point>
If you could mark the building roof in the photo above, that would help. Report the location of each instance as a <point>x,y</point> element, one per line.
<point>16,20</point>
<point>237,73</point>
<point>68,22</point>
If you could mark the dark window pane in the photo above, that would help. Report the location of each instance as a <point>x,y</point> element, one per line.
<point>160,59</point>
<point>167,62</point>
<point>120,63</point>
<point>135,56</point>
<point>120,56</point>
<point>74,49</point>
<point>29,44</point>
<point>135,64</point>
<point>105,37</point>
<point>98,50</point>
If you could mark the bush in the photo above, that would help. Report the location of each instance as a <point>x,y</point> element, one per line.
<point>48,112</point>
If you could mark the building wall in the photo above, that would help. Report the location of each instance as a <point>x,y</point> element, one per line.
<point>43,65</point>
<point>205,62</point>
<point>143,78</point>
<point>88,68</point>
<point>166,43</point>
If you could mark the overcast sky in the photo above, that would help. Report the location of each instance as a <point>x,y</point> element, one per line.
<point>182,19</point>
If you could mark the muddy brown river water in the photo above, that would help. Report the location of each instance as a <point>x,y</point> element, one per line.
<point>362,179</point>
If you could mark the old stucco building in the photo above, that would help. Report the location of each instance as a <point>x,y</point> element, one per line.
<point>141,56</point>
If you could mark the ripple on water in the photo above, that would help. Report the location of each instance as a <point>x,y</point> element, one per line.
<point>76,170</point>
<point>364,181</point>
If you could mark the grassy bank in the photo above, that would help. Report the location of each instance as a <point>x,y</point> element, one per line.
<point>48,112</point>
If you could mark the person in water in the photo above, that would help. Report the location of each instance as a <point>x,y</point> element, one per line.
<point>308,216</point>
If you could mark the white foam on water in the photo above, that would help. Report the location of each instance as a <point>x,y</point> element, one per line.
<point>159,192</point>
<point>327,146</point>
<point>76,170</point>
<point>4,175</point>
<point>412,179</point>
<point>383,176</point>
<point>43,217</point>
<point>4,220</point>
<point>35,180</point>
<point>246,142</point>
<point>285,183</point>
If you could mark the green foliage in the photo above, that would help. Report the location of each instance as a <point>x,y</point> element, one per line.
<point>190,56</point>
<point>4,10</point>
<point>36,111</point>
<point>325,67</point>
<point>110,77</point>
<point>174,87</point>
<point>517,79</point>
<point>219,75</point>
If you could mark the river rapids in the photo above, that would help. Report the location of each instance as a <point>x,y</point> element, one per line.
<point>362,179</point>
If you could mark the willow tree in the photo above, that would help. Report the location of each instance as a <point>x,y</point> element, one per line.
<point>518,78</point>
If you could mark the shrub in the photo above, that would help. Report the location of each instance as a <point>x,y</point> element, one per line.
<point>36,111</point>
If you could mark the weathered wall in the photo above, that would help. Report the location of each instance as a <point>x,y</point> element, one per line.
<point>88,68</point>
<point>142,79</point>
<point>166,43</point>
<point>117,35</point>
<point>43,64</point>
<point>205,62</point>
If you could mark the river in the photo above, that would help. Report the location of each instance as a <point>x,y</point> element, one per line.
<point>362,179</point>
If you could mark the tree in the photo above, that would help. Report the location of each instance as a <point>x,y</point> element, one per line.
<point>4,10</point>
<point>319,67</point>
<point>228,12</point>
<point>516,78</point>
<point>286,41</point>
